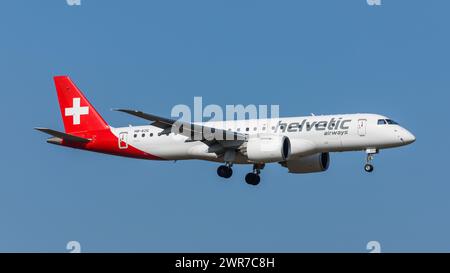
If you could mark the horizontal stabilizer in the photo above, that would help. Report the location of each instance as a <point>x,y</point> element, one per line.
<point>64,136</point>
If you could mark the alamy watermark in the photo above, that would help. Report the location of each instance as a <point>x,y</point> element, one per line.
<point>78,2</point>
<point>221,123</point>
<point>373,247</point>
<point>73,247</point>
<point>73,2</point>
<point>374,2</point>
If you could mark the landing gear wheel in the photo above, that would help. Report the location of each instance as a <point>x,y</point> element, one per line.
<point>224,171</point>
<point>368,168</point>
<point>252,179</point>
<point>370,153</point>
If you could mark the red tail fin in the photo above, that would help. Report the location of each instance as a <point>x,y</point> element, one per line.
<point>77,113</point>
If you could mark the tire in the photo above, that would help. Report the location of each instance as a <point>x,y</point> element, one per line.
<point>224,171</point>
<point>228,172</point>
<point>252,179</point>
<point>368,168</point>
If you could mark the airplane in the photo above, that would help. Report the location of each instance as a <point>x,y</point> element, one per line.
<point>300,144</point>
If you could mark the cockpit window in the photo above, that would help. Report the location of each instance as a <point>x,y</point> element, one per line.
<point>390,121</point>
<point>381,122</point>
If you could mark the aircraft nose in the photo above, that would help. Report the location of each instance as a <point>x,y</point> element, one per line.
<point>408,137</point>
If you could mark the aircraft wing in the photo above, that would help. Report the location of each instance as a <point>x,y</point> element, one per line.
<point>187,128</point>
<point>160,122</point>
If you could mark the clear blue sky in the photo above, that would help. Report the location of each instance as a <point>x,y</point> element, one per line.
<point>307,56</point>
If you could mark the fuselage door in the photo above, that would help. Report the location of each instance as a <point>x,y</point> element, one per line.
<point>123,140</point>
<point>362,127</point>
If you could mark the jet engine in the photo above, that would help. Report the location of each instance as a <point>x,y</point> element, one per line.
<point>265,149</point>
<point>308,164</point>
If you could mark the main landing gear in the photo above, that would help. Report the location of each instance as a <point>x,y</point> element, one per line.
<point>253,177</point>
<point>370,153</point>
<point>225,171</point>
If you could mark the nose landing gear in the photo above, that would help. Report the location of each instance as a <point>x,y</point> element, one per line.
<point>368,168</point>
<point>370,153</point>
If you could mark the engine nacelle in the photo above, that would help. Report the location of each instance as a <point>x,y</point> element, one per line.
<point>302,147</point>
<point>265,149</point>
<point>308,164</point>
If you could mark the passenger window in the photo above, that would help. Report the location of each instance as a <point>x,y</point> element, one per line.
<point>246,129</point>
<point>381,122</point>
<point>151,134</point>
<point>254,129</point>
<point>135,135</point>
<point>143,135</point>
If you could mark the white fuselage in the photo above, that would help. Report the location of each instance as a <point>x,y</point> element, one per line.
<point>308,135</point>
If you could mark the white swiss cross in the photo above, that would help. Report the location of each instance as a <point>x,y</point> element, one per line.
<point>76,111</point>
